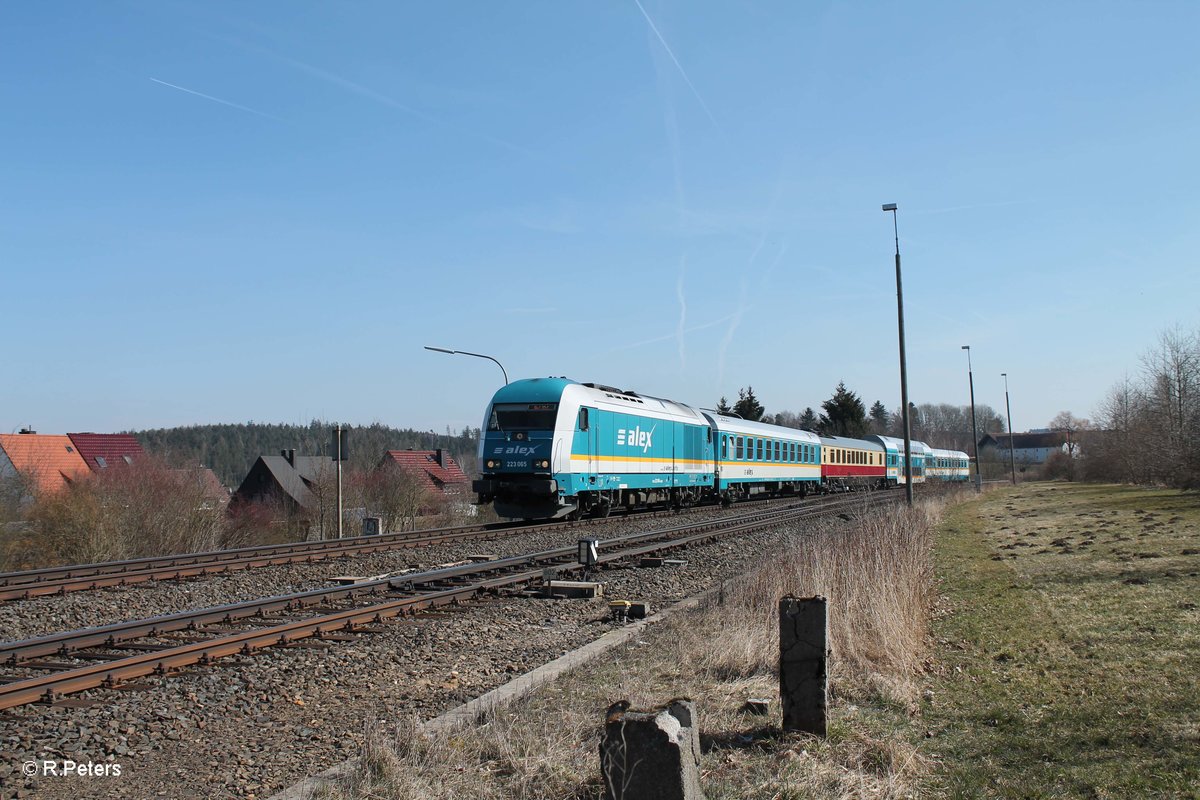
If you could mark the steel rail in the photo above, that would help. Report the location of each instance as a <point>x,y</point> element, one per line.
<point>63,644</point>
<point>110,673</point>
<point>37,576</point>
<point>44,574</point>
<point>25,585</point>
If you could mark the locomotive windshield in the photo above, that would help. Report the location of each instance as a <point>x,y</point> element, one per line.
<point>523,417</point>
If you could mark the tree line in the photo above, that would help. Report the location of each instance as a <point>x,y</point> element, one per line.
<point>939,425</point>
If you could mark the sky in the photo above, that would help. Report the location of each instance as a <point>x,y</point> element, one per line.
<point>231,212</point>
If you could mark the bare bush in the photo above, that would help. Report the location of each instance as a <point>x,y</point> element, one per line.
<point>126,512</point>
<point>1150,428</point>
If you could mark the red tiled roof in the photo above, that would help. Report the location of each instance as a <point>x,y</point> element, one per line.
<point>49,462</point>
<point>102,450</point>
<point>424,465</point>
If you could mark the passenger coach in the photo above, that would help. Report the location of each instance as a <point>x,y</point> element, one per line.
<point>755,458</point>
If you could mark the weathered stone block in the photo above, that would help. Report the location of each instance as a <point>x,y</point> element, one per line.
<point>803,669</point>
<point>651,755</point>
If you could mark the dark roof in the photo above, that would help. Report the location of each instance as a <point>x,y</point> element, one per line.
<point>1025,441</point>
<point>103,450</point>
<point>292,480</point>
<point>425,465</point>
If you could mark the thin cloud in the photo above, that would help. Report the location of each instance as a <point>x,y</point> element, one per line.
<point>678,66</point>
<point>670,336</point>
<point>681,326</point>
<point>734,321</point>
<point>378,97</point>
<point>969,208</point>
<point>216,99</point>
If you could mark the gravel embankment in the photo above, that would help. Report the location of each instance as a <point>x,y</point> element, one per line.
<point>250,728</point>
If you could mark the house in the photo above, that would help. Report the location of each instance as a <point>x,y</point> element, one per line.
<point>47,463</point>
<point>286,478</point>
<point>205,483</point>
<point>103,450</point>
<point>435,471</point>
<point>1029,449</point>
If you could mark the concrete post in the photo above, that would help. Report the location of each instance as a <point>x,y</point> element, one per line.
<point>651,755</point>
<point>803,676</point>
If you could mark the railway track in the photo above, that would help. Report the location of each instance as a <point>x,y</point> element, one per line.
<point>28,584</point>
<point>113,655</point>
<point>82,577</point>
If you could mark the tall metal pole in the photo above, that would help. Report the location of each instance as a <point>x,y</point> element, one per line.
<point>908,483</point>
<point>338,435</point>
<point>974,427</point>
<point>1012,457</point>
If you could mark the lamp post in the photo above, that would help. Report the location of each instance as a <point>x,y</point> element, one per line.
<point>974,427</point>
<point>465,353</point>
<point>1012,458</point>
<point>908,487</point>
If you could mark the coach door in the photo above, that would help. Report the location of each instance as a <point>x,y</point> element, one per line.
<point>589,432</point>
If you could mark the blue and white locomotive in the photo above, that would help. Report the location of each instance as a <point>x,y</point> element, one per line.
<point>552,447</point>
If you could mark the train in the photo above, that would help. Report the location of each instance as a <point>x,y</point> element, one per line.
<point>554,447</point>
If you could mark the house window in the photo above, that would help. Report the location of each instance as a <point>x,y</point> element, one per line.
<point>100,460</point>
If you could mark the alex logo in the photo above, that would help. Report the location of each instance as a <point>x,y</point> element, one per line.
<point>516,450</point>
<point>636,437</point>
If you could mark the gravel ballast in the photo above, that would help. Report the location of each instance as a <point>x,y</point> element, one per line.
<point>251,726</point>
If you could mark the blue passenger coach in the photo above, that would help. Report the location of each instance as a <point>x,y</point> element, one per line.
<point>552,447</point>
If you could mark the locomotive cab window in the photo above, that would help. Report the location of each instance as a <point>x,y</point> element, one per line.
<point>583,419</point>
<point>523,417</point>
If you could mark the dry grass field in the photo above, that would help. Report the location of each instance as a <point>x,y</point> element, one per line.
<point>1069,645</point>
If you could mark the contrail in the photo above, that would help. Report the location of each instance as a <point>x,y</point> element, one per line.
<point>733,326</point>
<point>217,100</point>
<point>379,97</point>
<point>668,337</point>
<point>678,66</point>
<point>680,328</point>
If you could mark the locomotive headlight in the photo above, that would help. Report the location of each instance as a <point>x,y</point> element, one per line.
<point>543,464</point>
<point>491,464</point>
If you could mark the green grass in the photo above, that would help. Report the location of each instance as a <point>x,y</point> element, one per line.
<point>1069,646</point>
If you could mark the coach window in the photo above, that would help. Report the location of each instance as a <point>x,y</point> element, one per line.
<point>760,449</point>
<point>739,448</point>
<point>724,447</point>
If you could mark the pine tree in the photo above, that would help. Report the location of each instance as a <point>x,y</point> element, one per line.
<point>747,406</point>
<point>845,414</point>
<point>808,420</point>
<point>879,418</point>
<point>723,406</point>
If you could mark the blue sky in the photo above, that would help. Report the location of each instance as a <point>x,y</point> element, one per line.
<point>221,212</point>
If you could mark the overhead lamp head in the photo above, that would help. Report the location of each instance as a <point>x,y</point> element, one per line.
<point>889,206</point>
<point>440,350</point>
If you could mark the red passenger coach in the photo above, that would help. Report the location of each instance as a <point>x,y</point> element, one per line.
<point>852,464</point>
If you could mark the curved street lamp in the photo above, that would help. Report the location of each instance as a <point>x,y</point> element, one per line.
<point>476,355</point>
